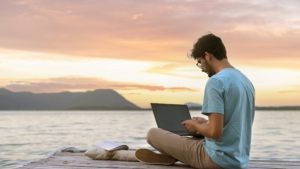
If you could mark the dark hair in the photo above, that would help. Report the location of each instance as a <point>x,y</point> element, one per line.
<point>211,44</point>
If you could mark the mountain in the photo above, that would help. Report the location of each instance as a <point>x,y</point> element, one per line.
<point>105,98</point>
<point>191,104</point>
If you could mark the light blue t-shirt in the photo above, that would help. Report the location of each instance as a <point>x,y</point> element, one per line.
<point>231,93</point>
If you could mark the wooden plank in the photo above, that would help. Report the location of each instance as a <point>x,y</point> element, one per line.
<point>81,161</point>
<point>87,161</point>
<point>110,164</point>
<point>66,160</point>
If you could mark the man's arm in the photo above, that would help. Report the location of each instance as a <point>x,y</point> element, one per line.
<point>200,119</point>
<point>214,129</point>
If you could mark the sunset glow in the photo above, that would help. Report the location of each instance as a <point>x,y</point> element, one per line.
<point>139,48</point>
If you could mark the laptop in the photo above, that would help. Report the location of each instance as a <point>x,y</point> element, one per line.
<point>168,117</point>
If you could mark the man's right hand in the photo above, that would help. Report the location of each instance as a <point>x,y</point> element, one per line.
<point>201,120</point>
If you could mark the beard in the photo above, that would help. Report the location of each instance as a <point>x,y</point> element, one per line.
<point>209,70</point>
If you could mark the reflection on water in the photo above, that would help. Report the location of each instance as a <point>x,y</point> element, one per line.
<point>29,135</point>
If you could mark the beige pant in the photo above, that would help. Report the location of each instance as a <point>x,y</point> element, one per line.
<point>187,150</point>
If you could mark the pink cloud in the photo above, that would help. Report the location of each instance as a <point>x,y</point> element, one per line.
<point>83,84</point>
<point>48,87</point>
<point>156,30</point>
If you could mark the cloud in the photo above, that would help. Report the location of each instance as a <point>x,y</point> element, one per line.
<point>77,83</point>
<point>288,91</point>
<point>172,69</point>
<point>131,93</point>
<point>152,88</point>
<point>49,87</point>
<point>297,86</point>
<point>137,16</point>
<point>159,30</point>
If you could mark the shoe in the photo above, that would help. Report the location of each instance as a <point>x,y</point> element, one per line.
<point>149,157</point>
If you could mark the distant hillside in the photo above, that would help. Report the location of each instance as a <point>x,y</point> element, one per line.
<point>100,99</point>
<point>279,108</point>
<point>107,98</point>
<point>258,108</point>
<point>105,108</point>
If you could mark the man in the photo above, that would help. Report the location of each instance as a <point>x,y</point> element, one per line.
<point>229,104</point>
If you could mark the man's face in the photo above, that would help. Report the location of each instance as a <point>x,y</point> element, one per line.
<point>206,67</point>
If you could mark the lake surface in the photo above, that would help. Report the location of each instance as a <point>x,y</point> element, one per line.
<point>30,135</point>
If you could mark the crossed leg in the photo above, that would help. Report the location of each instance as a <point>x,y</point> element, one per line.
<point>187,150</point>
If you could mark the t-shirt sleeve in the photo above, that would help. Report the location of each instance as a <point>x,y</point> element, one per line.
<point>213,101</point>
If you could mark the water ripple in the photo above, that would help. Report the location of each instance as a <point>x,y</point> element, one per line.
<point>29,136</point>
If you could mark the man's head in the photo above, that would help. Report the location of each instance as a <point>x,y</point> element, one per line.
<point>208,50</point>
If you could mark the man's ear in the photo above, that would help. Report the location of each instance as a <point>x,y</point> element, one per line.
<point>207,56</point>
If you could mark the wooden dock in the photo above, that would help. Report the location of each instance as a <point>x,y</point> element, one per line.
<point>68,160</point>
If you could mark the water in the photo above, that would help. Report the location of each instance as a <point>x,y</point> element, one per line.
<point>27,136</point>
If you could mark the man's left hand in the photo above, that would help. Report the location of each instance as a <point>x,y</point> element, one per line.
<point>190,125</point>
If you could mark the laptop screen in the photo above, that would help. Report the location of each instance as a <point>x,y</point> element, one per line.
<point>168,115</point>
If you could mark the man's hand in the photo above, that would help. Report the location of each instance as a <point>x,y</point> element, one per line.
<point>190,125</point>
<point>214,129</point>
<point>201,119</point>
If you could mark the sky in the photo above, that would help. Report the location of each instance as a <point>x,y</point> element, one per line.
<point>139,48</point>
